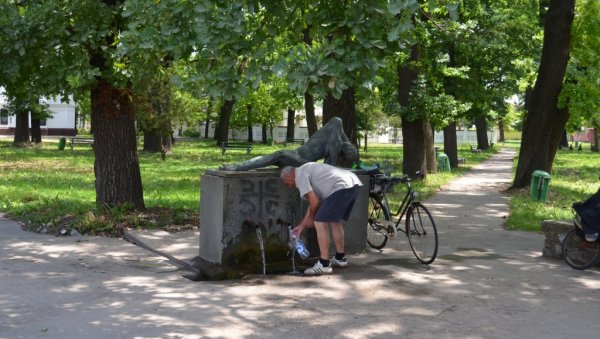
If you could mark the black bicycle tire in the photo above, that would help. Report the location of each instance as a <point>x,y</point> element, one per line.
<point>413,237</point>
<point>570,250</point>
<point>380,241</point>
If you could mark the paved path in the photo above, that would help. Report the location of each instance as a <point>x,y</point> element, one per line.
<point>486,283</point>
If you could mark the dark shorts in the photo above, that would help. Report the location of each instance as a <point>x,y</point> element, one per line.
<point>338,205</point>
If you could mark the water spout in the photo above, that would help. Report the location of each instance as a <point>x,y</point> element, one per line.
<point>262,248</point>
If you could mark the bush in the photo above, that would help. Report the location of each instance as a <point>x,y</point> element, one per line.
<point>191,133</point>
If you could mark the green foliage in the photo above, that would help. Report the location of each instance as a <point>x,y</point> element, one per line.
<point>265,105</point>
<point>438,108</point>
<point>494,39</point>
<point>348,43</point>
<point>371,119</point>
<point>581,92</point>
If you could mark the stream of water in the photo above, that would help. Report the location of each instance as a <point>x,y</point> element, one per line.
<point>262,249</point>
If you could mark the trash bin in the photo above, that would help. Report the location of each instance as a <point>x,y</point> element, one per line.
<point>443,163</point>
<point>62,142</point>
<point>540,181</point>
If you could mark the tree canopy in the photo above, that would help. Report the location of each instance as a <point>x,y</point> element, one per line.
<point>265,55</point>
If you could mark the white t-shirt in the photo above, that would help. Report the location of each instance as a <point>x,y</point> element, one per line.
<point>323,179</point>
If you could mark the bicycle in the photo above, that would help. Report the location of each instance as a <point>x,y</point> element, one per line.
<point>419,224</point>
<point>577,252</point>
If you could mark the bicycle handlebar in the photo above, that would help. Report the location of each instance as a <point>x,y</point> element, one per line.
<point>383,179</point>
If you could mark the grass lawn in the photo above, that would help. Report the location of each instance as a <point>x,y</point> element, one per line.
<point>45,187</point>
<point>52,189</point>
<point>574,177</point>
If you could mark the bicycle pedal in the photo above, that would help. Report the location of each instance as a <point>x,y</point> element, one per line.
<point>390,229</point>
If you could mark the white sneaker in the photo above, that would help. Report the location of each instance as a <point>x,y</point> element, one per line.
<point>591,237</point>
<point>318,269</point>
<point>343,263</point>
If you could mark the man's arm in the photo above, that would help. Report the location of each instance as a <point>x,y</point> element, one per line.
<point>311,212</point>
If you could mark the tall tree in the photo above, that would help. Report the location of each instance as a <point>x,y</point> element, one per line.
<point>74,50</point>
<point>545,120</point>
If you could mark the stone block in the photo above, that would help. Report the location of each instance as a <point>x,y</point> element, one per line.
<point>230,198</point>
<point>554,232</point>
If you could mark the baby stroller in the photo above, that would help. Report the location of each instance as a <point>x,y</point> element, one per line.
<point>581,246</point>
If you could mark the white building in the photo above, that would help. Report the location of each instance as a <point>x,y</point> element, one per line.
<point>62,121</point>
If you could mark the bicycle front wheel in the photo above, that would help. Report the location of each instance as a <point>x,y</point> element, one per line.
<point>422,233</point>
<point>376,228</point>
<point>578,253</point>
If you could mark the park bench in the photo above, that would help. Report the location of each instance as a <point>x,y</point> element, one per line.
<point>232,145</point>
<point>293,141</point>
<point>80,141</point>
<point>474,149</point>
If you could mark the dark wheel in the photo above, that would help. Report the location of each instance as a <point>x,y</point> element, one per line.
<point>422,233</point>
<point>578,253</point>
<point>377,225</point>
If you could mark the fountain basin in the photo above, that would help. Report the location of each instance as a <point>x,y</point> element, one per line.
<point>232,201</point>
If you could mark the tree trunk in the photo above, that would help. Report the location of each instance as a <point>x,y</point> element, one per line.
<point>413,152</point>
<point>222,132</point>
<point>157,141</point>
<point>595,140</point>
<point>265,136</point>
<point>117,169</point>
<point>309,109</point>
<point>36,130</point>
<point>428,144</point>
<point>207,122</point>
<point>206,127</point>
<point>544,123</point>
<point>249,126</point>
<point>564,141</point>
<point>309,102</point>
<point>501,130</point>
<point>291,123</point>
<point>345,109</point>
<point>413,132</point>
<point>157,127</point>
<point>482,137</point>
<point>450,144</point>
<point>21,128</point>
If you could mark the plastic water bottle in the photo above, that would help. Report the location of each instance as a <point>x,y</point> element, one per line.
<point>298,245</point>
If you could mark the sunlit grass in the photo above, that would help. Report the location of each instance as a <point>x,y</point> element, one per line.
<point>42,184</point>
<point>574,177</point>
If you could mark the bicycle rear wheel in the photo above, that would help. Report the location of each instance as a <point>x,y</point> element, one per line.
<point>376,228</point>
<point>422,233</point>
<point>578,253</point>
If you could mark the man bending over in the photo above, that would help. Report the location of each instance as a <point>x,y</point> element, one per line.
<point>331,192</point>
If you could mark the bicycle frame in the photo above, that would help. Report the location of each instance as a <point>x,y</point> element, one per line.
<point>402,207</point>
<point>420,231</point>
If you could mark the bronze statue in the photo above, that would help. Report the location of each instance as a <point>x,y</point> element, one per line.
<point>329,143</point>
